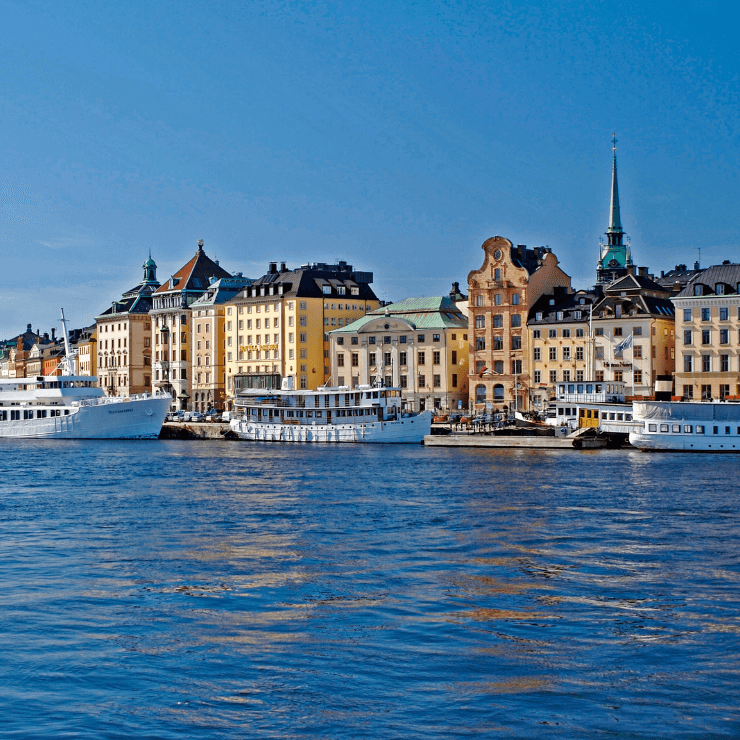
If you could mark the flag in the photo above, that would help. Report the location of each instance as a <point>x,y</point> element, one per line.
<point>623,345</point>
<point>480,374</point>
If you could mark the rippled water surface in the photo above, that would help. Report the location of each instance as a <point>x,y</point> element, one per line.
<point>204,589</point>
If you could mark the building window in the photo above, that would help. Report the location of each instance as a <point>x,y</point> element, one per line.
<point>566,354</point>
<point>302,321</point>
<point>498,392</point>
<point>579,376</point>
<point>724,391</point>
<point>617,331</point>
<point>637,377</point>
<point>422,381</point>
<point>355,359</point>
<point>553,376</point>
<point>553,353</point>
<point>421,358</point>
<point>515,299</point>
<point>371,359</point>
<point>724,313</point>
<point>719,289</point>
<point>480,343</point>
<point>536,354</point>
<point>552,333</point>
<point>454,380</point>
<point>516,367</point>
<point>618,376</point>
<point>402,339</point>
<point>687,337</point>
<point>404,381</point>
<point>480,393</point>
<point>537,376</point>
<point>706,314</point>
<point>498,342</point>
<point>479,300</point>
<point>706,363</point>
<point>724,336</point>
<point>516,320</point>
<point>516,342</point>
<point>436,356</point>
<point>497,299</point>
<point>340,359</point>
<point>706,337</point>
<point>566,333</point>
<point>688,391</point>
<point>303,337</point>
<point>599,376</point>
<point>579,353</point>
<point>437,381</point>
<point>480,322</point>
<point>436,337</point>
<point>402,358</point>
<point>687,314</point>
<point>453,359</point>
<point>706,393</point>
<point>560,315</point>
<point>498,321</point>
<point>480,366</point>
<point>498,367</point>
<point>566,376</point>
<point>688,363</point>
<point>637,351</point>
<point>387,360</point>
<point>724,363</point>
<point>599,332</point>
<point>420,337</point>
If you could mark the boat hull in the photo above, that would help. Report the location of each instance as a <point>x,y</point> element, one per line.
<point>407,430</point>
<point>139,418</point>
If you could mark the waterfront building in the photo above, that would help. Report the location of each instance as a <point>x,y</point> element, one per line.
<point>16,353</point>
<point>500,294</point>
<point>208,342</point>
<point>708,334</point>
<point>170,322</point>
<point>87,354</point>
<point>623,332</point>
<point>419,345</point>
<point>124,332</point>
<point>280,324</point>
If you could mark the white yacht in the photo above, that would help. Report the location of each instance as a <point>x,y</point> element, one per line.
<point>690,426</point>
<point>69,406</point>
<point>370,414</point>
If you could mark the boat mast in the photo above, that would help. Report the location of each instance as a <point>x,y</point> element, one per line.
<point>66,365</point>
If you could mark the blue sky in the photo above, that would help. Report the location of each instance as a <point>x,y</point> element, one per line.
<point>397,136</point>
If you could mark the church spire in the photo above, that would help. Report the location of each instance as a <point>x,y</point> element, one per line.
<point>614,230</point>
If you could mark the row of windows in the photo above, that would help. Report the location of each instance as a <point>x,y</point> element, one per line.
<point>421,357</point>
<point>688,429</point>
<point>706,362</point>
<point>706,336</point>
<point>723,312</point>
<point>259,306</point>
<point>165,356</point>
<point>498,299</point>
<point>15,414</point>
<point>183,374</point>
<point>706,391</point>
<point>498,321</point>
<point>567,376</point>
<point>402,339</point>
<point>566,352</point>
<point>403,381</point>
<point>564,333</point>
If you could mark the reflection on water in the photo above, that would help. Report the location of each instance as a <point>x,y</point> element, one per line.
<point>218,590</point>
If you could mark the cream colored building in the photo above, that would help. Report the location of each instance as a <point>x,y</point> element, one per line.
<point>419,345</point>
<point>571,342</point>
<point>208,342</point>
<point>170,325</point>
<point>279,326</point>
<point>87,354</point>
<point>500,295</point>
<point>124,339</point>
<point>708,334</point>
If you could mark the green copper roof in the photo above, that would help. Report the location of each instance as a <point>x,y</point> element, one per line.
<point>429,312</point>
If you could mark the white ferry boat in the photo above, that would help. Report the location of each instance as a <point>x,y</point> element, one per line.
<point>689,426</point>
<point>68,406</point>
<point>369,414</point>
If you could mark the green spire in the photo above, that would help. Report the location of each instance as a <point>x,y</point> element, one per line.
<point>615,220</point>
<point>150,271</point>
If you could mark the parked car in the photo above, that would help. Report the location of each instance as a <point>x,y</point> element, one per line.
<point>196,416</point>
<point>213,415</point>
<point>174,416</point>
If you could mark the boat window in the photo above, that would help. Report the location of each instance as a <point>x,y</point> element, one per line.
<point>589,389</point>
<point>676,428</point>
<point>664,427</point>
<point>727,430</point>
<point>652,428</point>
<point>571,389</point>
<point>628,417</point>
<point>687,429</point>
<point>620,417</point>
<point>716,430</point>
<point>699,429</point>
<point>580,389</point>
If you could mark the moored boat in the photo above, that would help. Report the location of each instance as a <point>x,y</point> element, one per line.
<point>689,426</point>
<point>69,406</point>
<point>365,414</point>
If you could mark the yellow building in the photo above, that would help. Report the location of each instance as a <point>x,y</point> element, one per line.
<point>279,326</point>
<point>708,334</point>
<point>500,295</point>
<point>87,355</point>
<point>419,345</point>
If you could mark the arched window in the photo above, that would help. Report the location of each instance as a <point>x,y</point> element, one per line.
<point>480,393</point>
<point>498,392</point>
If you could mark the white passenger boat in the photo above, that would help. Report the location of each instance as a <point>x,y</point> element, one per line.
<point>68,406</point>
<point>369,414</point>
<point>690,426</point>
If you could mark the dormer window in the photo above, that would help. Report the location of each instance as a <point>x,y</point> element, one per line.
<point>341,290</point>
<point>698,290</point>
<point>538,316</point>
<point>719,289</point>
<point>560,315</point>
<point>578,314</point>
<point>326,289</point>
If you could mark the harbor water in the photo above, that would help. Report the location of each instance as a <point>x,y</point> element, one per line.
<point>198,589</point>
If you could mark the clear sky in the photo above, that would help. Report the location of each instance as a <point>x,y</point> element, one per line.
<point>395,135</point>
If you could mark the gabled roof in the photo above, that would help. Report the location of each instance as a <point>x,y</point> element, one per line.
<point>221,290</point>
<point>634,283</point>
<point>195,275</point>
<point>726,274</point>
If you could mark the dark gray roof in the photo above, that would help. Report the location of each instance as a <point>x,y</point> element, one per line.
<point>633,283</point>
<point>569,304</point>
<point>726,274</point>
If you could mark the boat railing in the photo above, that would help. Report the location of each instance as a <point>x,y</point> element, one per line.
<point>110,400</point>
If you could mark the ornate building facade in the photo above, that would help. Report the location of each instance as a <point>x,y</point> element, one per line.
<point>500,294</point>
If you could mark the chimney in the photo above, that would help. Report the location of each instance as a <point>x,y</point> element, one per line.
<point>53,334</point>
<point>696,265</point>
<point>630,269</point>
<point>283,267</point>
<point>272,268</point>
